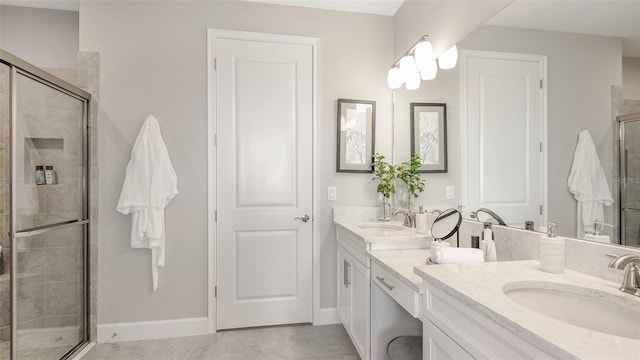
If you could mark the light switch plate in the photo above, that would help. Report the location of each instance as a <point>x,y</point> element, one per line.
<point>450,193</point>
<point>331,193</point>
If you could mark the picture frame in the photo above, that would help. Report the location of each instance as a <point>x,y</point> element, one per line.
<point>356,123</point>
<point>429,135</point>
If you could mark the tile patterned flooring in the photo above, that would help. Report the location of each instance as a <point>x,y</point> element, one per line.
<point>304,342</point>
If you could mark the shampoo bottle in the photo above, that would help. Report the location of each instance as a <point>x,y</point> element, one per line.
<point>552,251</point>
<point>421,221</point>
<point>40,180</point>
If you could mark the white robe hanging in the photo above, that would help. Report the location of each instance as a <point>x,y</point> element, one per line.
<point>588,183</point>
<point>149,185</point>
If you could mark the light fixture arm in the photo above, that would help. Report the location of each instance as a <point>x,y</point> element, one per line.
<point>411,50</point>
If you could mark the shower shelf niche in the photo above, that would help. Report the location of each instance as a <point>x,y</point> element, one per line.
<point>41,151</point>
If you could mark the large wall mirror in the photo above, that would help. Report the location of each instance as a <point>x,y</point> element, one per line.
<point>581,61</point>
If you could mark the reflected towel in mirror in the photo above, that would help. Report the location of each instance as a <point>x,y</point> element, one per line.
<point>588,183</point>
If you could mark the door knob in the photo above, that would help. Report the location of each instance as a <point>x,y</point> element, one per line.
<point>305,218</point>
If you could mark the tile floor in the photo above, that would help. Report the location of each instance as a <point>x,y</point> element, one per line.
<point>305,342</point>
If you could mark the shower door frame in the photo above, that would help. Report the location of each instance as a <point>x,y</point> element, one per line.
<point>622,172</point>
<point>21,67</point>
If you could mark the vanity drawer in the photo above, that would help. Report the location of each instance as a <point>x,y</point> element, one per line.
<point>408,298</point>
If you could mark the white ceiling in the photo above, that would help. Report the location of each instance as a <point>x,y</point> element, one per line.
<point>617,18</point>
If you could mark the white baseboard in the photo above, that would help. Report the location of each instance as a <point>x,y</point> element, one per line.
<point>147,330</point>
<point>326,316</point>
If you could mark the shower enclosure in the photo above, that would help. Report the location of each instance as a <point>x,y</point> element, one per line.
<point>43,213</point>
<point>630,179</point>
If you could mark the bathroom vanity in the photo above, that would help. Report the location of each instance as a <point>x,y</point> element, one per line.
<point>356,239</point>
<point>506,309</point>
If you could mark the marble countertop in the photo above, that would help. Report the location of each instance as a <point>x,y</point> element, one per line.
<point>480,286</point>
<point>401,263</point>
<point>371,235</point>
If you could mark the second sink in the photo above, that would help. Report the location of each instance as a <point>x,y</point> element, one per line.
<point>579,306</point>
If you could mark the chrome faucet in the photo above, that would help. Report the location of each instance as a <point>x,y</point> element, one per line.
<point>631,279</point>
<point>409,218</point>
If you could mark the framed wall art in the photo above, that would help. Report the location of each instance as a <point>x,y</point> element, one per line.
<point>429,135</point>
<point>356,135</point>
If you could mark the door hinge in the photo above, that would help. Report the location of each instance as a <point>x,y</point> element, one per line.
<point>215,64</point>
<point>541,84</point>
<point>215,216</point>
<point>215,292</point>
<point>215,140</point>
<point>540,209</point>
<point>540,146</point>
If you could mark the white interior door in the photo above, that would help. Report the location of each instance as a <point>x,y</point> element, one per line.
<point>504,163</point>
<point>264,97</point>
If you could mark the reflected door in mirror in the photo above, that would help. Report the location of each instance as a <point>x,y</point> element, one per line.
<point>503,95</point>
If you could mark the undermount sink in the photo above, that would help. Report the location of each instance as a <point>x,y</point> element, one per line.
<point>382,227</point>
<point>592,309</point>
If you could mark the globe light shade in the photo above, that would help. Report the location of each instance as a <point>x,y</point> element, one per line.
<point>423,54</point>
<point>408,67</point>
<point>413,82</point>
<point>430,71</point>
<point>395,78</point>
<point>449,58</point>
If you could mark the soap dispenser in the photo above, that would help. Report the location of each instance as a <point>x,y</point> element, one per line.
<point>421,221</point>
<point>488,245</point>
<point>552,251</point>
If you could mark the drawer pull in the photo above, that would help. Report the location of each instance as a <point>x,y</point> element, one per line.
<point>345,268</point>
<point>381,279</point>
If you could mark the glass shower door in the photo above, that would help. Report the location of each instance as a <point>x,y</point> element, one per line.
<point>630,191</point>
<point>5,216</point>
<point>49,204</point>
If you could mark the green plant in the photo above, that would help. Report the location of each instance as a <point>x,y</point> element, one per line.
<point>385,174</point>
<point>408,173</point>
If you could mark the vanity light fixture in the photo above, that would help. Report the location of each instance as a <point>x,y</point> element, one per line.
<point>413,81</point>
<point>418,63</point>
<point>408,67</point>
<point>423,54</point>
<point>395,78</point>
<point>430,71</point>
<point>449,58</point>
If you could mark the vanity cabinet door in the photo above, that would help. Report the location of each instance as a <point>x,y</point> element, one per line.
<point>344,290</point>
<point>437,345</point>
<point>360,302</point>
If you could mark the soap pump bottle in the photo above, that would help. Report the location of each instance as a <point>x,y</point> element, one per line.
<point>487,244</point>
<point>552,251</point>
<point>421,221</point>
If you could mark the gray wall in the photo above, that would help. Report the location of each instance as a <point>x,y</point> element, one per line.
<point>43,37</point>
<point>631,78</point>
<point>153,60</point>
